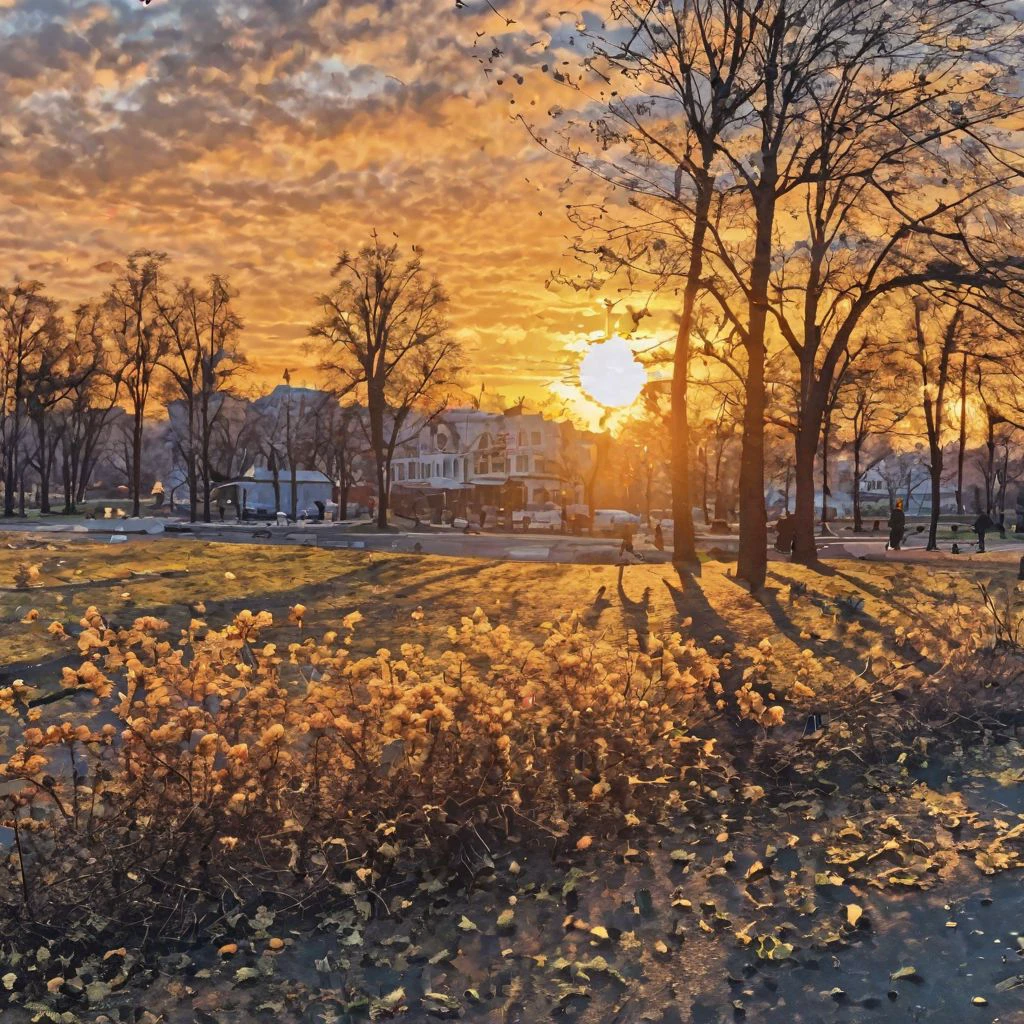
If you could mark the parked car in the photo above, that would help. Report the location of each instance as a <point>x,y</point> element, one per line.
<point>538,517</point>
<point>612,520</point>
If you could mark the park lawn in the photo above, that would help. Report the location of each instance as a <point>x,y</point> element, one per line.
<point>181,579</point>
<point>802,611</point>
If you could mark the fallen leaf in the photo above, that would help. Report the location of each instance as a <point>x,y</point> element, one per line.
<point>902,973</point>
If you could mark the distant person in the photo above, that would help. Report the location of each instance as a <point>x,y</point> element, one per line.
<point>627,553</point>
<point>627,540</point>
<point>897,526</point>
<point>483,518</point>
<point>982,525</point>
<point>785,534</point>
<point>659,537</point>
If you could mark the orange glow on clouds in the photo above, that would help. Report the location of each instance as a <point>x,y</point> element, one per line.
<point>259,140</point>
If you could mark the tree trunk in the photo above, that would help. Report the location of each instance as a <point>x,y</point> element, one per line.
<point>684,547</point>
<point>752,564</point>
<point>990,443</point>
<point>753,554</point>
<point>960,507</point>
<point>44,485</point>
<point>826,430</point>
<point>858,521</point>
<point>805,551</point>
<point>375,403</point>
<point>193,488</point>
<point>1002,489</point>
<point>11,482</point>
<point>205,463</point>
<point>69,486</point>
<point>137,428</point>
<point>45,455</point>
<point>13,439</point>
<point>704,490</point>
<point>935,472</point>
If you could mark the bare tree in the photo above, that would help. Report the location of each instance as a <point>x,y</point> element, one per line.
<point>71,356</point>
<point>338,446</point>
<point>868,407</point>
<point>684,74</point>
<point>202,357</point>
<point>383,333</point>
<point>28,327</point>
<point>140,344</point>
<point>88,406</point>
<point>938,332</point>
<point>846,113</point>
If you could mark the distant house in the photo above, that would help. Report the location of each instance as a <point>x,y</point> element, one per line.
<point>256,493</point>
<point>469,458</point>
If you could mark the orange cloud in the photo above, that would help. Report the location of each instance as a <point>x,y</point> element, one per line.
<point>258,140</point>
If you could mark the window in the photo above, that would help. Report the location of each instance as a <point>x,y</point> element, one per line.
<point>540,495</point>
<point>535,438</point>
<point>400,471</point>
<point>497,465</point>
<point>522,464</point>
<point>447,467</point>
<point>522,438</point>
<point>540,465</point>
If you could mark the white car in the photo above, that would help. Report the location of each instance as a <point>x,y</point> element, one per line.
<point>538,517</point>
<point>612,520</point>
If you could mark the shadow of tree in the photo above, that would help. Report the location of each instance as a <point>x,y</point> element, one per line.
<point>636,613</point>
<point>691,602</point>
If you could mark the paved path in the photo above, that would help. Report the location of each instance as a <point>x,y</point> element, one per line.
<point>525,547</point>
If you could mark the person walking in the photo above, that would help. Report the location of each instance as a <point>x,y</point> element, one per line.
<point>627,541</point>
<point>897,526</point>
<point>659,536</point>
<point>982,525</point>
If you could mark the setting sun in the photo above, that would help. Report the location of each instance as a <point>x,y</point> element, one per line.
<point>611,375</point>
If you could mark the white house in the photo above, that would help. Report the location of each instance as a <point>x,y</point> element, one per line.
<point>471,458</point>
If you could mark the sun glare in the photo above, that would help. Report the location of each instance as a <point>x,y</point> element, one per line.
<point>611,375</point>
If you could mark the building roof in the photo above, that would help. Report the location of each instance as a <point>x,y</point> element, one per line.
<point>262,475</point>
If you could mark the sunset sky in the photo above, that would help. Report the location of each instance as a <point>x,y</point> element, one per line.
<point>260,138</point>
